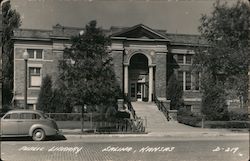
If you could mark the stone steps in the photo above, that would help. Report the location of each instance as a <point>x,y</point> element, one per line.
<point>156,121</point>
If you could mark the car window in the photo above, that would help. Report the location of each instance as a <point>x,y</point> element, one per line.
<point>45,115</point>
<point>11,116</point>
<point>29,116</point>
<point>36,116</point>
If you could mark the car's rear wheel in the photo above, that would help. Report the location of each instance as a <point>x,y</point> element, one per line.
<point>38,135</point>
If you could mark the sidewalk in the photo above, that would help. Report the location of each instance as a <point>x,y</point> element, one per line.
<point>157,125</point>
<point>198,132</point>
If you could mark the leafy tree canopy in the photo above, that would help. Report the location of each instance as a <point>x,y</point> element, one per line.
<point>87,69</point>
<point>227,33</point>
<point>11,20</point>
<point>226,58</point>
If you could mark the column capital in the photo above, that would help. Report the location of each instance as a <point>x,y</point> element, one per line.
<point>126,64</point>
<point>151,65</point>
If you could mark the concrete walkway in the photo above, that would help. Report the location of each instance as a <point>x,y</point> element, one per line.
<point>157,124</point>
<point>154,119</point>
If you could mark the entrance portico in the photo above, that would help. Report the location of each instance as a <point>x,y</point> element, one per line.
<point>142,52</point>
<point>138,76</point>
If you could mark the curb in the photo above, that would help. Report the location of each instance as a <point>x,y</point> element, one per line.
<point>146,135</point>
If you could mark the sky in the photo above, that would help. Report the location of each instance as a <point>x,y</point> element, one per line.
<point>175,16</point>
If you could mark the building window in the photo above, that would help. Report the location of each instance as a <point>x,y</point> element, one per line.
<point>180,58</point>
<point>184,59</point>
<point>188,107</point>
<point>35,76</point>
<point>35,53</point>
<point>180,78</point>
<point>188,80</point>
<point>31,106</point>
<point>188,59</point>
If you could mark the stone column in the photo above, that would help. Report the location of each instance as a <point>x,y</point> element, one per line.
<point>150,93</point>
<point>126,80</point>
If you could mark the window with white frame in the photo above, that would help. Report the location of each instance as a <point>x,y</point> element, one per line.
<point>180,78</point>
<point>189,80</point>
<point>180,58</point>
<point>184,59</point>
<point>35,53</point>
<point>35,76</point>
<point>188,59</point>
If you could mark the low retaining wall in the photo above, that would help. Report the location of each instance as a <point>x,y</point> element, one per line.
<point>173,115</point>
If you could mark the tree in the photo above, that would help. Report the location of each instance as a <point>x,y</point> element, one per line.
<point>225,61</point>
<point>45,97</point>
<point>174,93</point>
<point>87,70</point>
<point>11,20</point>
<point>60,102</point>
<point>214,105</point>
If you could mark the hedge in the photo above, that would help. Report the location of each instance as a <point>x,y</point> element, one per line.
<point>189,120</point>
<point>195,121</point>
<point>227,124</point>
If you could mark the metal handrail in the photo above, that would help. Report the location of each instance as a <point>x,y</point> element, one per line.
<point>162,108</point>
<point>130,107</point>
<point>138,124</point>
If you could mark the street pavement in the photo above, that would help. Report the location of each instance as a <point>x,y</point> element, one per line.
<point>168,141</point>
<point>127,148</point>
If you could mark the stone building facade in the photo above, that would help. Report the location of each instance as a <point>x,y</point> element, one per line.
<point>142,60</point>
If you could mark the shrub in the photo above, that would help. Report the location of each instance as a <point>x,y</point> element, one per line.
<point>45,95</point>
<point>174,93</point>
<point>189,120</point>
<point>214,105</point>
<point>184,112</point>
<point>227,124</point>
<point>187,117</point>
<point>238,115</point>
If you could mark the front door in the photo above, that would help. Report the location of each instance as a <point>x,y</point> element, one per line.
<point>140,92</point>
<point>133,91</point>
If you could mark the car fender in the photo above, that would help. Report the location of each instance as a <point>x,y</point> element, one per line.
<point>46,129</point>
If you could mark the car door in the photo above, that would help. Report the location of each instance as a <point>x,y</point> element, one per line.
<point>26,121</point>
<point>9,124</point>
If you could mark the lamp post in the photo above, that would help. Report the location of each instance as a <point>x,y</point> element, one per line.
<point>84,109</point>
<point>25,57</point>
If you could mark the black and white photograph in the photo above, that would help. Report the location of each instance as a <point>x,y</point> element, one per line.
<point>125,80</point>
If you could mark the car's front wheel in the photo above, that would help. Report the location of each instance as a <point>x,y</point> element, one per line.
<point>38,135</point>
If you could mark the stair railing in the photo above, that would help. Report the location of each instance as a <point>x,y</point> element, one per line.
<point>130,107</point>
<point>137,122</point>
<point>162,108</point>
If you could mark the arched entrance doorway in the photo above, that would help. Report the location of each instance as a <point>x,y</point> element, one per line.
<point>139,78</point>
